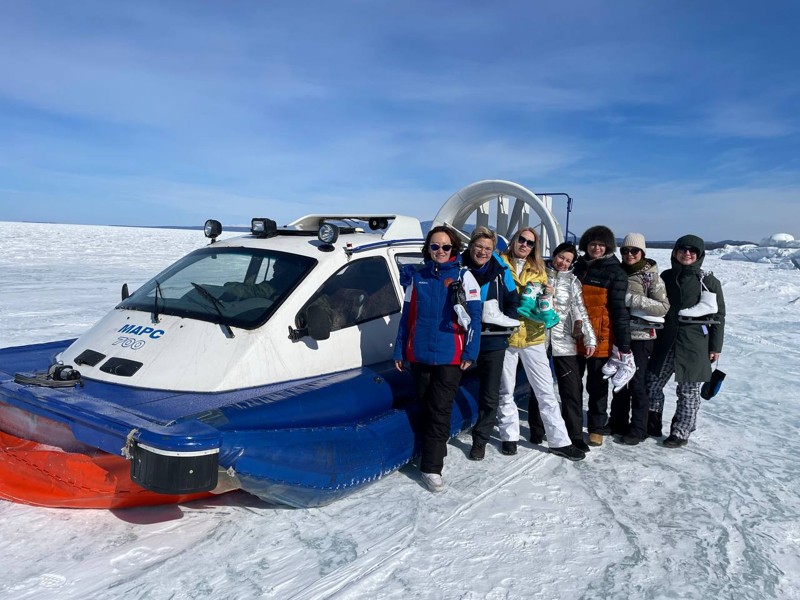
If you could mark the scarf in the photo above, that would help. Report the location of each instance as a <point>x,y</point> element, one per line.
<point>635,267</point>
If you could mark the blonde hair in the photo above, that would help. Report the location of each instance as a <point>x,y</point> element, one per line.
<point>534,260</point>
<point>483,233</point>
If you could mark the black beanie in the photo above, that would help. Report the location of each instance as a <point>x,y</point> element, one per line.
<point>598,233</point>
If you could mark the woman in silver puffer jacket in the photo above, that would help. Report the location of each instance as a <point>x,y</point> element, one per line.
<point>573,324</point>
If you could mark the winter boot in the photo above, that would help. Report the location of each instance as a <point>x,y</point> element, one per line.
<point>508,448</point>
<point>569,452</point>
<point>478,450</point>
<point>654,423</point>
<point>492,315</point>
<point>595,439</point>
<point>705,308</point>
<point>432,481</point>
<point>673,441</point>
<point>630,440</point>
<point>612,364</point>
<point>625,371</point>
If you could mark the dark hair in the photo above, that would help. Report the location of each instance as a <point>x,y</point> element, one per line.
<point>451,233</point>
<point>565,247</point>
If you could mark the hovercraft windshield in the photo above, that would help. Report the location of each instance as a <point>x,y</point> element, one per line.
<point>238,287</point>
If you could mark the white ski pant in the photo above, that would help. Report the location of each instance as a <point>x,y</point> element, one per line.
<point>537,368</point>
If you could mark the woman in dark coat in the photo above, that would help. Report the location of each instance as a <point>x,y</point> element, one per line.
<point>605,284</point>
<point>685,348</point>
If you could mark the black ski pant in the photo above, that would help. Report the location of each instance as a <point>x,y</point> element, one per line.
<point>633,399</point>
<point>436,387</point>
<point>570,390</point>
<point>597,390</point>
<point>490,372</point>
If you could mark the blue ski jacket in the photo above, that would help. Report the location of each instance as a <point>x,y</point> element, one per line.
<point>429,331</point>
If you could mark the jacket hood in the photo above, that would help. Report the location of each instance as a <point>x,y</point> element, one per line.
<point>689,240</point>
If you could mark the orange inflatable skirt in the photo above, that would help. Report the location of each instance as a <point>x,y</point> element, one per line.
<point>42,475</point>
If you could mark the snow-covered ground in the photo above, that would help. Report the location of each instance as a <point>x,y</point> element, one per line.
<point>717,519</point>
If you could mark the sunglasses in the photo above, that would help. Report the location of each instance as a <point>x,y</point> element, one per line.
<point>688,249</point>
<point>445,247</point>
<point>529,243</point>
<point>627,250</point>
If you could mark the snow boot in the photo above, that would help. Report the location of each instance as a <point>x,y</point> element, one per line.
<point>432,481</point>
<point>478,450</point>
<point>492,315</point>
<point>674,441</point>
<point>625,371</point>
<point>595,439</point>
<point>508,448</point>
<point>569,452</point>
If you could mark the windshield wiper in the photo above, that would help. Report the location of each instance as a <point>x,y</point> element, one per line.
<point>218,306</point>
<point>158,292</point>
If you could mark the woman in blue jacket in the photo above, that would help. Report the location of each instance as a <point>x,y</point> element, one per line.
<point>439,334</point>
<point>498,320</point>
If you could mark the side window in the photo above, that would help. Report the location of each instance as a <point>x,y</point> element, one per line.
<point>407,264</point>
<point>358,292</point>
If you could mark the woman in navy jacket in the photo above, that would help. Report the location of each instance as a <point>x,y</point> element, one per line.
<point>439,334</point>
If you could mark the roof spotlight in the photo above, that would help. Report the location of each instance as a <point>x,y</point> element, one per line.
<point>263,228</point>
<point>212,229</point>
<point>328,233</point>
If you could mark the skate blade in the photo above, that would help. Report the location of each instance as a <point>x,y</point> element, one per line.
<point>698,320</point>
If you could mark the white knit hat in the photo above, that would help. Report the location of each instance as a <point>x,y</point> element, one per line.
<point>635,240</point>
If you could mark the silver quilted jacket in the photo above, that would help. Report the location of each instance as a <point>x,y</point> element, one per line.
<point>568,301</point>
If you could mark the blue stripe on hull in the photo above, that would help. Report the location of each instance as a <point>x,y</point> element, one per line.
<point>303,443</point>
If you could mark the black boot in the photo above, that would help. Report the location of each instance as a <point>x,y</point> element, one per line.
<point>654,423</point>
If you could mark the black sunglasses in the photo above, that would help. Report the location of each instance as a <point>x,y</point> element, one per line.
<point>445,247</point>
<point>526,241</point>
<point>629,250</point>
<point>688,249</point>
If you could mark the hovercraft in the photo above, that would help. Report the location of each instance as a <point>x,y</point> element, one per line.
<point>260,362</point>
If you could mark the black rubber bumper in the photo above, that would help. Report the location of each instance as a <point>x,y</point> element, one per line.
<point>168,472</point>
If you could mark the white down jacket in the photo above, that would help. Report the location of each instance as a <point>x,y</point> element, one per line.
<point>568,302</point>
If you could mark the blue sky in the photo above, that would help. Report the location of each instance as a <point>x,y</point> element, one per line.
<point>662,116</point>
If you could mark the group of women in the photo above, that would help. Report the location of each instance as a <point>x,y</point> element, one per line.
<point>618,322</point>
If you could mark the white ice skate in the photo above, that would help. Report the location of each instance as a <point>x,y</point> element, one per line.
<point>463,318</point>
<point>641,320</point>
<point>703,311</point>
<point>625,371</point>
<point>492,315</point>
<point>612,364</point>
